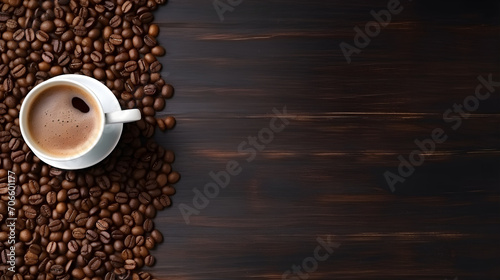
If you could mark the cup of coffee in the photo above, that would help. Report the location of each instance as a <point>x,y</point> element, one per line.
<point>63,120</point>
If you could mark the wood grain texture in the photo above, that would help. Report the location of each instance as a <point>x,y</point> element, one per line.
<point>323,175</point>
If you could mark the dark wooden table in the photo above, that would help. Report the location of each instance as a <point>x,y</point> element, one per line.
<point>323,175</point>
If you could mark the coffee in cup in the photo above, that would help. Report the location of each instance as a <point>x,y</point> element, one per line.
<point>64,120</point>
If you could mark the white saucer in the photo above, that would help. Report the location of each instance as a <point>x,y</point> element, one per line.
<point>110,136</point>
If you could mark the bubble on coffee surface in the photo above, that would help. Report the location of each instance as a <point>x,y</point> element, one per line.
<point>80,104</point>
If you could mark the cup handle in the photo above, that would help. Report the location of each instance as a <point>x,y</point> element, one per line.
<point>123,116</point>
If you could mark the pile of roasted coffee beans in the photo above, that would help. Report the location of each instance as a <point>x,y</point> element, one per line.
<point>95,223</point>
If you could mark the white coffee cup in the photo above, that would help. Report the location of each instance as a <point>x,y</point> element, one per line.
<point>120,116</point>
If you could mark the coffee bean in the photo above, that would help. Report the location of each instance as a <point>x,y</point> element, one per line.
<point>91,235</point>
<point>51,247</point>
<point>116,39</point>
<point>120,197</point>
<point>129,241</point>
<point>19,71</point>
<point>79,233</point>
<point>18,35</point>
<point>80,30</point>
<point>30,213</point>
<point>57,270</point>
<point>127,6</point>
<point>14,144</point>
<point>29,258</point>
<point>55,225</point>
<point>117,235</point>
<point>73,194</point>
<point>8,85</point>
<point>17,156</point>
<point>155,66</point>
<point>30,35</point>
<point>157,236</point>
<point>86,249</point>
<point>146,17</point>
<point>73,246</point>
<point>149,260</point>
<point>130,264</point>
<point>35,199</point>
<point>96,56</point>
<point>64,59</point>
<point>150,41</point>
<point>15,131</point>
<point>102,225</point>
<point>131,66</point>
<point>4,69</point>
<point>105,237</point>
<point>144,198</point>
<point>95,263</point>
<point>42,36</point>
<point>51,198</point>
<point>116,261</point>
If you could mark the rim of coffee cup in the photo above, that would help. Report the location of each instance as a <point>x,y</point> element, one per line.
<point>29,98</point>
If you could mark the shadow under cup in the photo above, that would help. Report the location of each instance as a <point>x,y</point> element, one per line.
<point>61,120</point>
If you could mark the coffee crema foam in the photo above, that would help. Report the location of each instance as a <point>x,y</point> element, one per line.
<point>59,129</point>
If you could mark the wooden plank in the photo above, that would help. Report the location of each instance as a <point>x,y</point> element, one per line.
<point>323,175</point>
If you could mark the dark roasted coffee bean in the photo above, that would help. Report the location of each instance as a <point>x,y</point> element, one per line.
<point>73,194</point>
<point>55,225</point>
<point>144,198</point>
<point>116,261</point>
<point>116,39</point>
<point>30,213</point>
<point>14,144</point>
<point>105,237</point>
<point>86,249</point>
<point>120,197</point>
<point>42,36</point>
<point>149,260</point>
<point>35,199</point>
<point>95,263</point>
<point>79,233</point>
<point>18,35</point>
<point>80,30</point>
<point>131,66</point>
<point>4,69</point>
<point>8,85</point>
<point>64,59</point>
<point>127,6</point>
<point>15,131</point>
<point>102,225</point>
<point>51,247</point>
<point>57,46</point>
<point>48,57</point>
<point>57,270</point>
<point>73,246</point>
<point>30,35</point>
<point>115,21</point>
<point>155,66</point>
<point>51,198</point>
<point>148,225</point>
<point>91,235</point>
<point>149,89</point>
<point>129,241</point>
<point>146,17</point>
<point>17,156</point>
<point>150,41</point>
<point>157,236</point>
<point>18,71</point>
<point>96,56</point>
<point>29,258</point>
